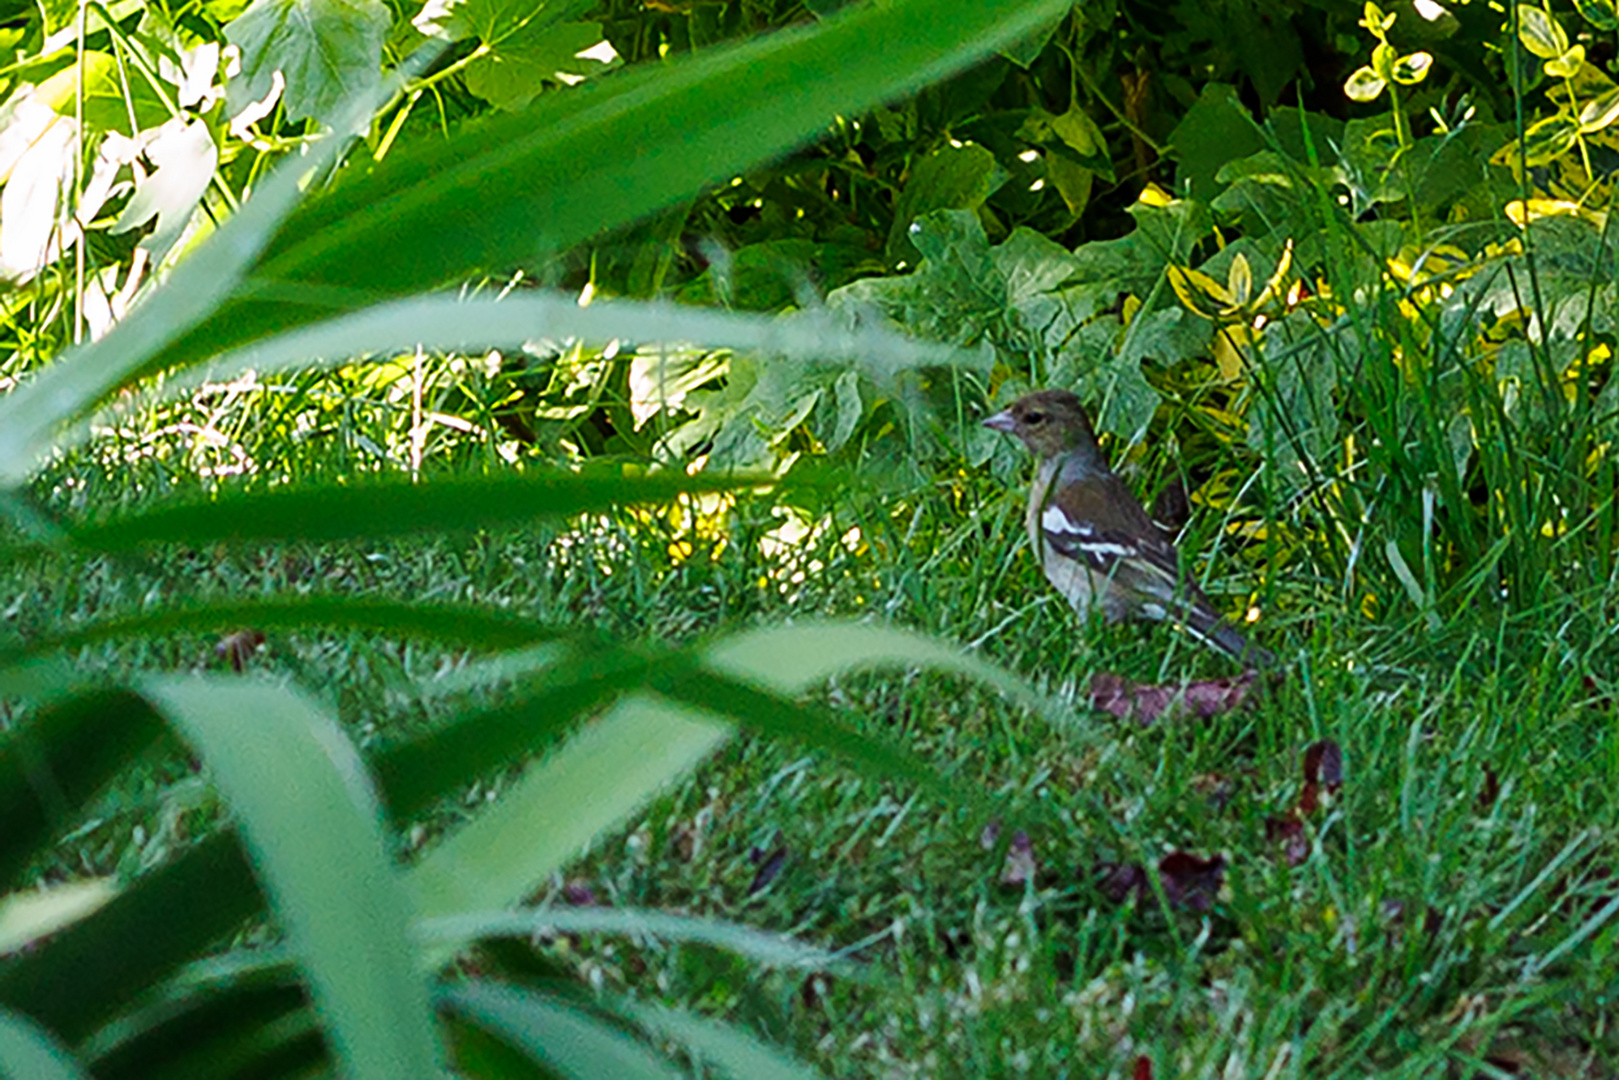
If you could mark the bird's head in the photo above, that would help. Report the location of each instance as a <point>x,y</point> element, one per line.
<point>1050,422</point>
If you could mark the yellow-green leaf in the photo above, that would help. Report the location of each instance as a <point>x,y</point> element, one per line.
<point>1567,65</point>
<point>1540,33</point>
<point>1599,112</point>
<point>1364,85</point>
<point>1412,69</point>
<point>1549,139</point>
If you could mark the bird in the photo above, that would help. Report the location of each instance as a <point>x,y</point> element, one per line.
<point>1096,544</point>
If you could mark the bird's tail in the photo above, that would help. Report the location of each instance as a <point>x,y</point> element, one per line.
<point>1209,627</point>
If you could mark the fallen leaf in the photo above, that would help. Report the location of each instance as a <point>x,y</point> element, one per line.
<point>769,867</point>
<point>1324,765</point>
<point>1146,704</point>
<point>1191,881</point>
<point>1289,832</point>
<point>1020,866</point>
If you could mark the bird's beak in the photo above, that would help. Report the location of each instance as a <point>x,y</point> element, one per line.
<point>1001,421</point>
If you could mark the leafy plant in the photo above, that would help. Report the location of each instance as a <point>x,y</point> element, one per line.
<point>311,829</point>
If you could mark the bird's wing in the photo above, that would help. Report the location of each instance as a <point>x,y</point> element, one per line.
<point>1099,523</point>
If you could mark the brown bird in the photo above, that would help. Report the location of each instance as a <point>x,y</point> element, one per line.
<point>1098,547</point>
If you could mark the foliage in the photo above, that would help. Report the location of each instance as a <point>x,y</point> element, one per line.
<point>1348,283</point>
<point>313,829</point>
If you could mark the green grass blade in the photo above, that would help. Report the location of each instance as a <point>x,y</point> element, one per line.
<point>53,764</point>
<point>391,508</point>
<point>29,1053</point>
<point>83,975</point>
<point>781,717</point>
<point>734,1051</point>
<point>459,623</point>
<point>309,817</point>
<point>565,1040</point>
<point>592,783</point>
<point>413,775</point>
<point>450,325</point>
<point>794,658</point>
<point>771,950</point>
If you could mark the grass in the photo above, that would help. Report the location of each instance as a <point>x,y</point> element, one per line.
<point>1453,908</point>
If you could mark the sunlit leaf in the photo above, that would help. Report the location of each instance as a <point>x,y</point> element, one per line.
<point>323,859</point>
<point>1540,33</point>
<point>1412,68</point>
<point>328,51</point>
<point>1599,112</point>
<point>1364,85</point>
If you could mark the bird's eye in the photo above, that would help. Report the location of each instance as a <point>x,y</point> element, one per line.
<point>1036,418</point>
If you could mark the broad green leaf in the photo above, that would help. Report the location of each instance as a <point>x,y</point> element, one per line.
<point>107,104</point>
<point>1547,140</point>
<point>958,177</point>
<point>567,1041</point>
<point>1080,133</point>
<point>732,1049</point>
<point>328,51</point>
<point>28,1052</point>
<point>514,71</point>
<point>1540,33</point>
<point>511,189</point>
<point>184,156</point>
<point>312,823</point>
<point>492,21</point>
<point>1568,65</point>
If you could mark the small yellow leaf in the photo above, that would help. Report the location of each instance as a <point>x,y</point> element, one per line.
<point>1540,33</point>
<point>1363,85</point>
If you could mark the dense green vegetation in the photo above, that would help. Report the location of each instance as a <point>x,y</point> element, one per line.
<point>430,435</point>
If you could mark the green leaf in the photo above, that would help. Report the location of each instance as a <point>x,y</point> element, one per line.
<point>1601,14</point>
<point>28,1052</point>
<point>561,805</point>
<point>1599,112</point>
<point>512,189</point>
<point>31,416</point>
<point>771,950</point>
<point>1412,68</point>
<point>1540,33</point>
<point>388,508</point>
<point>328,51</point>
<point>108,105</point>
<point>732,1049</point>
<point>512,73</point>
<point>77,980</point>
<point>1547,140</point>
<point>308,815</point>
<point>951,178</point>
<point>1364,85</point>
<point>567,1041</point>
<point>54,763</point>
<point>463,624</point>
